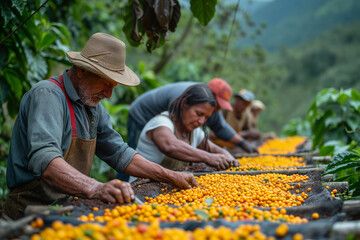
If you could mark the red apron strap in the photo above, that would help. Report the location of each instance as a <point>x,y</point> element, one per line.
<point>70,106</point>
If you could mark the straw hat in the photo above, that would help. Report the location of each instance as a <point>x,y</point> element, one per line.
<point>257,104</point>
<point>104,55</point>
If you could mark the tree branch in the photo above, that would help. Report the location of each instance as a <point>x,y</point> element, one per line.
<point>23,22</point>
<point>165,57</point>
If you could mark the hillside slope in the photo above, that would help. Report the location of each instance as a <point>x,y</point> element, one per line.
<point>330,60</point>
<point>291,22</point>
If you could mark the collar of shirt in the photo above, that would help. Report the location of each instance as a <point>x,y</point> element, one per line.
<point>69,88</point>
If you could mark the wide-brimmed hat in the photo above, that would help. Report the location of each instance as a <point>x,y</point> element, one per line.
<point>222,92</point>
<point>245,94</point>
<point>104,55</point>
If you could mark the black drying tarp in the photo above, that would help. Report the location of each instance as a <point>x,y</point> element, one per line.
<point>146,188</point>
<point>318,196</point>
<point>318,229</point>
<point>312,173</point>
<point>202,167</point>
<point>319,200</point>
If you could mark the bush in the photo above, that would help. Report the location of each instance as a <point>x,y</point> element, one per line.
<point>345,166</point>
<point>334,117</point>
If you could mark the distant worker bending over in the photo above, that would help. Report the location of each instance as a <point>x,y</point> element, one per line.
<point>252,113</point>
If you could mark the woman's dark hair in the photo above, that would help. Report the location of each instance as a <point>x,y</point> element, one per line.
<point>193,95</point>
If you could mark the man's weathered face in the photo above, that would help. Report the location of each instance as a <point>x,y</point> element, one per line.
<point>255,112</point>
<point>239,106</point>
<point>92,88</point>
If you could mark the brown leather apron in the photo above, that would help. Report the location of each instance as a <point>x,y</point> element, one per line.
<point>80,155</point>
<point>172,163</point>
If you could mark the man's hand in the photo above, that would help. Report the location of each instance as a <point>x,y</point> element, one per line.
<point>114,191</point>
<point>183,180</point>
<point>251,133</point>
<point>248,147</point>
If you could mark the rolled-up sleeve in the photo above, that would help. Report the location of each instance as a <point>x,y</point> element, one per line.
<point>45,131</point>
<point>110,146</point>
<point>221,128</point>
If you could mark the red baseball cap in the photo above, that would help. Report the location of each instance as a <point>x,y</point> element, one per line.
<point>222,92</point>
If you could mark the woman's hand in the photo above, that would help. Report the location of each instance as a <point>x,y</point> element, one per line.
<point>221,161</point>
<point>219,157</point>
<point>183,180</point>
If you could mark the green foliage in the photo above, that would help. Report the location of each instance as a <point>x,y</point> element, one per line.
<point>336,146</point>
<point>26,57</point>
<point>129,23</point>
<point>297,127</point>
<point>298,74</point>
<point>101,171</point>
<point>3,187</point>
<point>345,167</point>
<point>330,114</point>
<point>126,95</point>
<point>29,54</point>
<point>203,10</point>
<point>118,114</point>
<point>183,70</point>
<point>209,201</point>
<point>202,214</point>
<point>118,106</point>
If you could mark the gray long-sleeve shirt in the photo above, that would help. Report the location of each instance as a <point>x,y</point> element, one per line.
<point>42,132</point>
<point>158,100</point>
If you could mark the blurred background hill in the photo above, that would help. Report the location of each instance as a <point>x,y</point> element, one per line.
<point>310,45</point>
<point>292,22</point>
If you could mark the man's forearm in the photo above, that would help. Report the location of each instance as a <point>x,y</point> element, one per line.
<point>141,167</point>
<point>236,139</point>
<point>187,153</point>
<point>63,177</point>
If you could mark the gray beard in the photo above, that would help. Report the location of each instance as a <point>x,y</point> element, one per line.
<point>87,100</point>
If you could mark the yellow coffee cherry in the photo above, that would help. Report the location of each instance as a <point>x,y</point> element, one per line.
<point>315,216</point>
<point>282,230</point>
<point>281,145</point>
<point>262,163</point>
<point>117,229</point>
<point>298,236</point>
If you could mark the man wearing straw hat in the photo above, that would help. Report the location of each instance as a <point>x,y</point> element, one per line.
<point>61,126</point>
<point>252,113</point>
